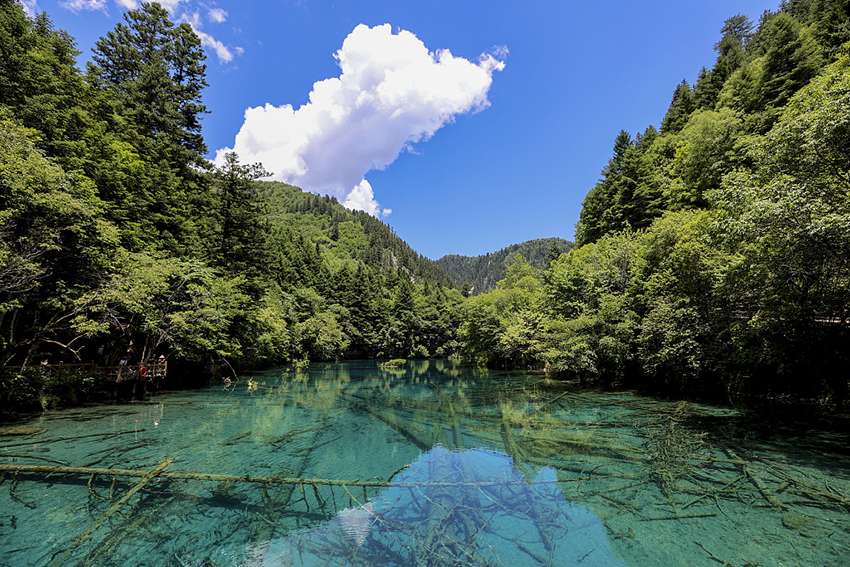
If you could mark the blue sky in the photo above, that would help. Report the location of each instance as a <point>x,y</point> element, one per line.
<point>494,144</point>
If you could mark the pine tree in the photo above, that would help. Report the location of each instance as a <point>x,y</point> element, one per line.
<point>791,60</point>
<point>241,244</point>
<point>157,73</point>
<point>680,109</point>
<point>40,83</point>
<point>600,213</point>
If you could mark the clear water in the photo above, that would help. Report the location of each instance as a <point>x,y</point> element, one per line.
<point>480,468</point>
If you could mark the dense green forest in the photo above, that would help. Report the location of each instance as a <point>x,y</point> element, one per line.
<point>477,274</point>
<point>710,259</point>
<point>713,256</point>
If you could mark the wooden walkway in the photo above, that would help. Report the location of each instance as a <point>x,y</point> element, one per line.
<point>121,373</point>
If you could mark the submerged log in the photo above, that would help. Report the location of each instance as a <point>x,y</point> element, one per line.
<point>177,475</point>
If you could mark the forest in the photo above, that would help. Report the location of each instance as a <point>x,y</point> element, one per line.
<point>711,258</point>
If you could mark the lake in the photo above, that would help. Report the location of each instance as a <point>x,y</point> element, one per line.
<point>431,464</point>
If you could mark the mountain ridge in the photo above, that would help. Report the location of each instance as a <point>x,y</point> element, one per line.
<point>482,273</point>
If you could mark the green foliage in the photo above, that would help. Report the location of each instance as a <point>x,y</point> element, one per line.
<point>147,152</point>
<point>504,326</point>
<point>711,258</point>
<point>631,192</point>
<point>791,59</point>
<point>32,389</point>
<point>154,69</point>
<point>269,335</point>
<point>706,150</point>
<point>743,298</point>
<point>155,302</point>
<point>830,23</point>
<point>238,243</point>
<point>322,337</point>
<point>344,234</point>
<point>39,82</point>
<point>53,244</point>
<point>705,130</point>
<point>115,233</point>
<point>788,223</point>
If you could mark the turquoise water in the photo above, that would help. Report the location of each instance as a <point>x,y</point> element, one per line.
<point>445,466</point>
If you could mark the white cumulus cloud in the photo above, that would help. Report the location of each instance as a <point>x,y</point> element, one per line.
<point>392,92</point>
<point>362,198</point>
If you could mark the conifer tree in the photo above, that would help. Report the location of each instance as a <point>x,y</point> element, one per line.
<point>241,241</point>
<point>157,73</point>
<point>680,109</point>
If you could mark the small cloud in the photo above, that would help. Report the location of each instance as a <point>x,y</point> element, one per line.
<point>500,52</point>
<point>84,5</point>
<point>193,19</point>
<point>170,5</point>
<point>223,52</point>
<point>217,15</point>
<point>362,198</point>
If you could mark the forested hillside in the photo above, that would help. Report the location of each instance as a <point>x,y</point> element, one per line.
<point>118,240</point>
<point>477,274</point>
<point>713,255</point>
<point>348,234</point>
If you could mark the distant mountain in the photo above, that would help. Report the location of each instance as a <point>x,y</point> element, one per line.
<point>482,273</point>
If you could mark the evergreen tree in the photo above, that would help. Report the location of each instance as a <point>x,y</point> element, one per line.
<point>40,83</point>
<point>680,109</point>
<point>831,25</point>
<point>156,72</point>
<point>791,60</point>
<point>599,213</point>
<point>639,198</point>
<point>736,30</point>
<point>242,235</point>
